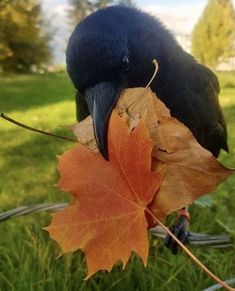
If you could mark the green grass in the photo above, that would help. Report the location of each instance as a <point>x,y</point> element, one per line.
<point>28,258</point>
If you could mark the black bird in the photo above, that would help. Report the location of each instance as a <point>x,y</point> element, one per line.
<point>113,49</point>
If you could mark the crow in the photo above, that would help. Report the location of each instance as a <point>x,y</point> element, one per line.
<point>113,49</point>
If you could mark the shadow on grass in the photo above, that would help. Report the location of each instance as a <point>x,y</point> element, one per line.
<point>24,92</point>
<point>39,147</point>
<point>28,171</point>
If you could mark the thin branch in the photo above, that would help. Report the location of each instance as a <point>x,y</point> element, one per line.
<point>187,251</point>
<point>4,116</point>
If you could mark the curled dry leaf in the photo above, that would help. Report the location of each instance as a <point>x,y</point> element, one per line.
<point>84,133</point>
<point>107,218</point>
<point>189,170</point>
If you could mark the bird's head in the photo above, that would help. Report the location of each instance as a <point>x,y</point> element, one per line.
<point>101,63</point>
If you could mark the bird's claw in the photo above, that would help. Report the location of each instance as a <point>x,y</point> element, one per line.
<point>179,230</point>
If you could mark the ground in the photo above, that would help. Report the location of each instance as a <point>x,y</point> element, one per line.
<point>29,260</point>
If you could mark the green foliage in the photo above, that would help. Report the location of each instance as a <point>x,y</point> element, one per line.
<point>29,259</point>
<point>213,37</point>
<point>82,8</point>
<point>24,40</point>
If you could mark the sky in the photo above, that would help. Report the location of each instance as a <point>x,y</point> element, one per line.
<point>179,16</point>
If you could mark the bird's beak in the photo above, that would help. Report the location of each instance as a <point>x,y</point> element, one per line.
<point>101,100</point>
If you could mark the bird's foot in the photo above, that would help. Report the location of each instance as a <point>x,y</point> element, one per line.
<point>179,230</point>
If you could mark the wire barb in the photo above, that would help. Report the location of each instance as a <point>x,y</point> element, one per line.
<point>199,239</point>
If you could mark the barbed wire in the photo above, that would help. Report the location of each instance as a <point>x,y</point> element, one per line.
<point>218,286</point>
<point>199,239</point>
<point>24,210</point>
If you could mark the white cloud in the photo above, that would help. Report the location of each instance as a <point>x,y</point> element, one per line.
<point>179,19</point>
<point>56,12</point>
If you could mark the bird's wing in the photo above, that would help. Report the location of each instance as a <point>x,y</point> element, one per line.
<point>210,127</point>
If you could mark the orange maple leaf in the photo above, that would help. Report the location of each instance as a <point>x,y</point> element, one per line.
<point>190,170</point>
<point>107,218</point>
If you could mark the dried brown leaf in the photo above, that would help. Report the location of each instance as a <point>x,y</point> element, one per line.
<point>190,170</point>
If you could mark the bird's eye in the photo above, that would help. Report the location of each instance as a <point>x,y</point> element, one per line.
<point>125,64</point>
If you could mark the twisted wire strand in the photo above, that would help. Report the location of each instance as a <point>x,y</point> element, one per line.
<point>200,239</point>
<point>23,210</point>
<point>218,286</point>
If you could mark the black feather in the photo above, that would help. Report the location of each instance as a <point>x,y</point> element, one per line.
<point>189,90</point>
<point>81,107</point>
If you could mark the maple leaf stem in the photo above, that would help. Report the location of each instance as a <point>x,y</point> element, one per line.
<point>4,116</point>
<point>187,251</point>
<point>147,86</point>
<point>153,76</point>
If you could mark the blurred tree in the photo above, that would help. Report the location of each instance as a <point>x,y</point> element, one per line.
<point>81,8</point>
<point>213,37</point>
<point>24,40</point>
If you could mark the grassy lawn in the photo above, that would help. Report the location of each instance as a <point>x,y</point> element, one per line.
<point>28,258</point>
